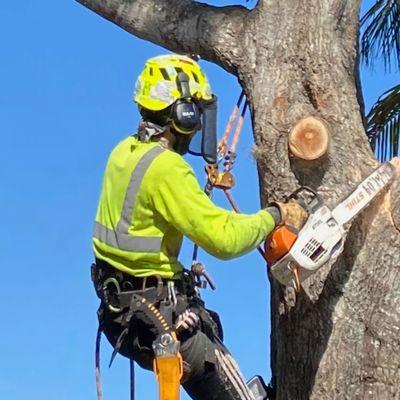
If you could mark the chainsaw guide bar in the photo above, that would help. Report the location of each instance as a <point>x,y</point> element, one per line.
<point>364,193</point>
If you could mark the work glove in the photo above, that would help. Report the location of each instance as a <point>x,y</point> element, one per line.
<point>290,214</point>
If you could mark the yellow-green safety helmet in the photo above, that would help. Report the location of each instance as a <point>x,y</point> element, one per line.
<point>156,86</point>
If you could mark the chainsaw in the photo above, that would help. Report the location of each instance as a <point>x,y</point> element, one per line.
<point>293,256</point>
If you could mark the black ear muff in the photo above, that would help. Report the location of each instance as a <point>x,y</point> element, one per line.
<point>185,114</point>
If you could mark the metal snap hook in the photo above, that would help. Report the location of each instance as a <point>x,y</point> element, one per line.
<point>114,282</point>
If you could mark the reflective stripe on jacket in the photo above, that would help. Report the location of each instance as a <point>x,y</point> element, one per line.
<point>150,199</point>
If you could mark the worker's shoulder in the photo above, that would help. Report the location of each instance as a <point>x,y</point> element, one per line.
<point>132,148</point>
<point>165,161</point>
<point>168,159</point>
<point>169,168</point>
<point>124,145</point>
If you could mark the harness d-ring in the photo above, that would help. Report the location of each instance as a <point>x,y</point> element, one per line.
<point>114,282</point>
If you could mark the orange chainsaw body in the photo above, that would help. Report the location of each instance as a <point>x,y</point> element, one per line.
<point>279,243</point>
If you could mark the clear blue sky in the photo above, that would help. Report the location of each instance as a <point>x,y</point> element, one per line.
<point>66,79</point>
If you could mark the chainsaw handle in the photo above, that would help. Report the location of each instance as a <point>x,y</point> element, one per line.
<point>303,189</point>
<point>310,205</point>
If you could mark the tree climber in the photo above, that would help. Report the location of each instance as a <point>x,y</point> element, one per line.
<point>150,199</point>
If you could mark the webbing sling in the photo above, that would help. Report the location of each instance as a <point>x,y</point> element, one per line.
<point>120,238</point>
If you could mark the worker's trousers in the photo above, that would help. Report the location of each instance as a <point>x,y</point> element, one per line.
<point>210,373</point>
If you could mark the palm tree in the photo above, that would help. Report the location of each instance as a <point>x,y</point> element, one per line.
<point>381,39</point>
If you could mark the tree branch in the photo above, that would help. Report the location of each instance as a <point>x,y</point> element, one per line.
<point>182,26</point>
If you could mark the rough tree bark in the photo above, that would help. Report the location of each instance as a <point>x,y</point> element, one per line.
<point>340,338</point>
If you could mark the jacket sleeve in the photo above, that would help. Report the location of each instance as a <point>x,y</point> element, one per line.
<point>179,199</point>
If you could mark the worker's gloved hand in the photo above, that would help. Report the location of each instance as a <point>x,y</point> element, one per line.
<point>290,213</point>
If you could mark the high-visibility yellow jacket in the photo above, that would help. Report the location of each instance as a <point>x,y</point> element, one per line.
<point>150,199</point>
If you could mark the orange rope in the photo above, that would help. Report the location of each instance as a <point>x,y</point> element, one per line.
<point>222,145</point>
<point>238,130</point>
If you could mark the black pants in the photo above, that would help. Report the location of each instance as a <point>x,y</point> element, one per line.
<point>210,373</point>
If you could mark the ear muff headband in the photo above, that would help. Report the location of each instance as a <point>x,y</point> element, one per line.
<point>182,81</point>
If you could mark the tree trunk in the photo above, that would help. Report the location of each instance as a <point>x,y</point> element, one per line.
<point>340,337</point>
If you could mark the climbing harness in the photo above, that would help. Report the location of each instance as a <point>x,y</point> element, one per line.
<point>168,364</point>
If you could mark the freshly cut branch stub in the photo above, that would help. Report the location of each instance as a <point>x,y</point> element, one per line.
<point>309,139</point>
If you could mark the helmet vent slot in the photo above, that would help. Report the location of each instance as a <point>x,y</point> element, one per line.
<point>164,73</point>
<point>196,79</point>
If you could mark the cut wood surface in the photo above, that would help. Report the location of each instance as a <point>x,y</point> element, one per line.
<point>309,139</point>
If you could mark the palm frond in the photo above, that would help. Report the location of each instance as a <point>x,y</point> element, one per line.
<point>383,124</point>
<point>381,36</point>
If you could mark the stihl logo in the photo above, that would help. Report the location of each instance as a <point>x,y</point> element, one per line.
<point>369,188</point>
<point>355,200</point>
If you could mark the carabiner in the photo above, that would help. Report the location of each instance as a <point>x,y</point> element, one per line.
<point>114,282</point>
